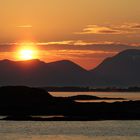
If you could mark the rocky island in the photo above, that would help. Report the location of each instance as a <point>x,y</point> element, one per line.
<point>25,103</point>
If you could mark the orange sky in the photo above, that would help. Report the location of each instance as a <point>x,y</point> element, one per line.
<point>84,31</point>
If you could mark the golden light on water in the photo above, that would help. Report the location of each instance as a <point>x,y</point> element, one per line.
<point>27,51</point>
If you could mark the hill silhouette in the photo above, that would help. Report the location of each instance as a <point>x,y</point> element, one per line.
<point>121,70</point>
<point>38,73</point>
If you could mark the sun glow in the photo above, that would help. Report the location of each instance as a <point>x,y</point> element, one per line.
<point>27,52</point>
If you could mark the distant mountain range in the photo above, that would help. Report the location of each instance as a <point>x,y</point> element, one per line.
<point>121,70</point>
<point>38,73</point>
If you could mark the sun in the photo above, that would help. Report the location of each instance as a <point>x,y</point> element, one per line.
<point>27,52</point>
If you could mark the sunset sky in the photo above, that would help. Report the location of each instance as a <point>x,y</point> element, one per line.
<point>84,31</point>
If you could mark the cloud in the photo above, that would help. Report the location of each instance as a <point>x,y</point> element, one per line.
<point>135,26</point>
<point>83,53</point>
<point>66,42</point>
<point>68,45</point>
<point>96,29</point>
<point>73,42</point>
<point>74,48</point>
<point>127,28</point>
<point>84,43</point>
<point>24,26</point>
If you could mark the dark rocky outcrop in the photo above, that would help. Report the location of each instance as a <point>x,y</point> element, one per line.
<point>19,103</point>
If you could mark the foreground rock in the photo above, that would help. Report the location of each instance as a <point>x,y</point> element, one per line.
<point>19,103</point>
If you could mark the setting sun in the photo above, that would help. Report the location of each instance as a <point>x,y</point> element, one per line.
<point>27,52</point>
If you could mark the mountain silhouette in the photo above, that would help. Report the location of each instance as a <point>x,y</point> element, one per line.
<point>120,70</point>
<point>39,73</point>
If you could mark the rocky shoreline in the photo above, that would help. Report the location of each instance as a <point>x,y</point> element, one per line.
<point>26,104</point>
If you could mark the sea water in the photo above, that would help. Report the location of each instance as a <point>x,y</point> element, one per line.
<point>94,130</point>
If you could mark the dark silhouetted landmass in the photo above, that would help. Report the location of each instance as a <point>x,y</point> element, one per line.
<point>39,73</point>
<point>122,70</point>
<point>21,103</point>
<point>90,97</point>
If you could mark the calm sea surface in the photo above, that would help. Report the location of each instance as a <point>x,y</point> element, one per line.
<point>97,130</point>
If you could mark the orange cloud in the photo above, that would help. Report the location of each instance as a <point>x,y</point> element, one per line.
<point>65,42</point>
<point>96,29</point>
<point>128,28</point>
<point>24,26</point>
